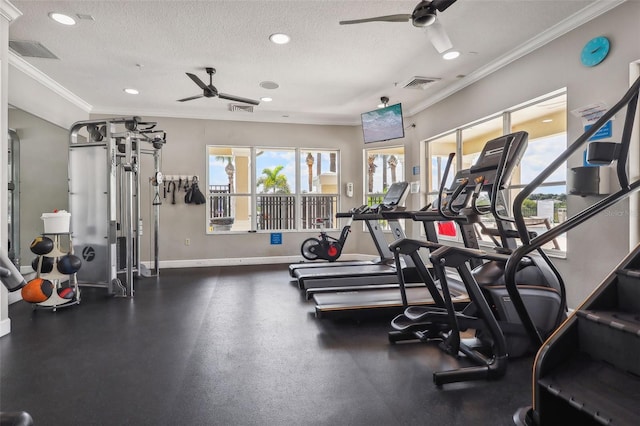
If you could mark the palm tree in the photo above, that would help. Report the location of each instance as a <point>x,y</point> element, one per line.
<point>229,168</point>
<point>371,170</point>
<point>310,166</point>
<point>273,181</point>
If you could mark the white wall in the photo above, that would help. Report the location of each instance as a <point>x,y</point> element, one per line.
<point>597,246</point>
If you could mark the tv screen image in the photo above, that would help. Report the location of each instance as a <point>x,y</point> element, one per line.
<point>383,124</point>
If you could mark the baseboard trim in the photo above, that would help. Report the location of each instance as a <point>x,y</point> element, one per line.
<point>237,261</point>
<point>5,327</point>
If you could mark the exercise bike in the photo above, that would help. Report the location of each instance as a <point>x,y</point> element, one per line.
<point>325,246</point>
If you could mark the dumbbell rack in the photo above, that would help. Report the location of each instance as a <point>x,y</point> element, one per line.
<point>55,301</point>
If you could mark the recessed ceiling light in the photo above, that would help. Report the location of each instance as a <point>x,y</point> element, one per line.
<point>62,18</point>
<point>131,91</point>
<point>266,99</point>
<point>279,38</point>
<point>547,120</point>
<point>452,54</point>
<point>269,85</point>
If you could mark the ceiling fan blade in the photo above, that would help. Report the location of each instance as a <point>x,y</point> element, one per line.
<point>237,99</point>
<point>438,37</point>
<point>190,98</point>
<point>197,81</point>
<point>388,18</point>
<point>442,5</point>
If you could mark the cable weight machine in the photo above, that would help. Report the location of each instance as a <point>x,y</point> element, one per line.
<point>105,158</point>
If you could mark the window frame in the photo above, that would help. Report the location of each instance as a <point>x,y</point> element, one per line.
<point>507,127</point>
<point>254,195</point>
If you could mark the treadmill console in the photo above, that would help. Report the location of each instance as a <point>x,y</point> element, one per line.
<point>396,194</point>
<point>483,174</point>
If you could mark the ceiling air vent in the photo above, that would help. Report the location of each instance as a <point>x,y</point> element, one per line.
<point>31,49</point>
<point>85,17</point>
<point>239,107</point>
<point>419,82</point>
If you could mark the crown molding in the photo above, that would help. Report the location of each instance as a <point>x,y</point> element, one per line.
<point>26,68</point>
<point>579,18</point>
<point>8,11</point>
<point>255,117</point>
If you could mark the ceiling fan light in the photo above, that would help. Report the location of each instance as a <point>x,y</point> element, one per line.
<point>266,99</point>
<point>423,15</point>
<point>451,54</point>
<point>425,20</point>
<point>61,18</point>
<point>279,38</point>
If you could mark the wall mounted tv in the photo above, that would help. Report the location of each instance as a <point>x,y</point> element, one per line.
<point>383,124</point>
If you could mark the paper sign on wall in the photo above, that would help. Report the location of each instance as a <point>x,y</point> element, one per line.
<point>589,114</point>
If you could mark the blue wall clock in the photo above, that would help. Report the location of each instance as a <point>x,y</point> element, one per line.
<point>595,51</point>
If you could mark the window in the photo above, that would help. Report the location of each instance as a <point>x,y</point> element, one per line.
<point>545,122</point>
<point>229,184</point>
<point>256,189</point>
<point>319,187</point>
<point>275,189</point>
<point>383,167</point>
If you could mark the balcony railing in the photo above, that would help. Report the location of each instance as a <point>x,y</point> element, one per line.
<point>274,211</point>
<point>319,207</point>
<point>219,201</point>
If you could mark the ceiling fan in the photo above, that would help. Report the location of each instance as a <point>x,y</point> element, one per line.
<point>424,16</point>
<point>209,91</point>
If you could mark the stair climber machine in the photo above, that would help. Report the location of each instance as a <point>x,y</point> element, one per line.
<point>587,372</point>
<point>381,271</point>
<point>499,334</point>
<point>416,285</point>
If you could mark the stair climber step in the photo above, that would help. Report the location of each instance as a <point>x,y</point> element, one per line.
<point>611,336</point>
<point>607,394</point>
<point>628,290</point>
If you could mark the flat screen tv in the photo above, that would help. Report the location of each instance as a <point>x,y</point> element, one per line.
<point>383,124</point>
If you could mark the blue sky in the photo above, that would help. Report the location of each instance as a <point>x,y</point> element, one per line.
<point>269,159</point>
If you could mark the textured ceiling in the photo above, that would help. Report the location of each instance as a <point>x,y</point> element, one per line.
<point>328,73</point>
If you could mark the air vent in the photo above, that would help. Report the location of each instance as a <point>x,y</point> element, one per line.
<point>420,82</point>
<point>85,17</point>
<point>239,107</point>
<point>31,49</point>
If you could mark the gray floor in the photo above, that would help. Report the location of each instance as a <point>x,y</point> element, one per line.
<point>231,346</point>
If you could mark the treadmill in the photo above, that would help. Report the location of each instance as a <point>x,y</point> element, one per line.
<point>459,201</point>
<point>381,272</point>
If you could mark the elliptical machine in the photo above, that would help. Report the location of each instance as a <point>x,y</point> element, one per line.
<point>499,333</point>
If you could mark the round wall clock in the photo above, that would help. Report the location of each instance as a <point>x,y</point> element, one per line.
<point>595,51</point>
